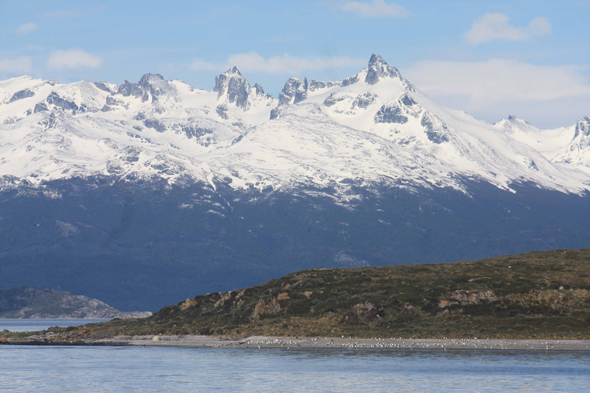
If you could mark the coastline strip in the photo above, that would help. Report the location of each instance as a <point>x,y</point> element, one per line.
<point>343,343</point>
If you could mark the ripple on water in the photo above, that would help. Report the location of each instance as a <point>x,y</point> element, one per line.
<point>161,369</point>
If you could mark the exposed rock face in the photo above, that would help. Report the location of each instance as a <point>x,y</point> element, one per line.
<point>156,86</point>
<point>583,127</point>
<point>40,107</point>
<point>39,303</point>
<point>314,85</point>
<point>233,85</point>
<point>149,86</point>
<point>407,100</point>
<point>364,100</point>
<point>222,111</point>
<point>378,68</point>
<point>259,89</point>
<point>350,80</point>
<point>295,91</point>
<point>275,113</point>
<point>333,99</point>
<point>390,113</point>
<point>155,124</point>
<point>435,129</point>
<point>129,89</point>
<point>104,87</point>
<point>260,92</point>
<point>19,95</point>
<point>54,99</point>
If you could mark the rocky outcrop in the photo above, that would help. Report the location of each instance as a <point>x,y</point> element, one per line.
<point>233,85</point>
<point>436,131</point>
<point>130,89</point>
<point>378,68</point>
<point>19,95</point>
<point>294,91</point>
<point>150,86</point>
<point>156,86</point>
<point>390,113</point>
<point>39,303</point>
<point>583,127</point>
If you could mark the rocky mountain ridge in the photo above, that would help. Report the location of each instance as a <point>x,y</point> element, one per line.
<point>372,128</point>
<point>43,303</point>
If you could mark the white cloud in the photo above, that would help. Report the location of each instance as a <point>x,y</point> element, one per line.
<point>20,65</point>
<point>376,9</point>
<point>72,59</point>
<point>492,26</point>
<point>498,80</point>
<point>545,95</point>
<point>26,28</point>
<point>285,64</point>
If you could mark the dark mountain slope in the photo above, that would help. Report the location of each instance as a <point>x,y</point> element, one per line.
<point>139,248</point>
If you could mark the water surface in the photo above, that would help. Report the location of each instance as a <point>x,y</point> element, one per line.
<point>27,325</point>
<point>159,369</point>
<point>162,369</point>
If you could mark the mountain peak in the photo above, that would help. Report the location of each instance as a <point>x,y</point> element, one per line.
<point>294,91</point>
<point>378,68</point>
<point>235,86</point>
<point>583,127</point>
<point>376,59</point>
<point>513,118</point>
<point>149,84</point>
<point>148,79</point>
<point>233,71</point>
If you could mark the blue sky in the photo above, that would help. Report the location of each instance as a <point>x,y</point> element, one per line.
<point>489,58</point>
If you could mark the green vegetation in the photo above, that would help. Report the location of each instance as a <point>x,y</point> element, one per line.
<point>16,335</point>
<point>534,295</point>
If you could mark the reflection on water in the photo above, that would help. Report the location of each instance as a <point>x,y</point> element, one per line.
<point>157,369</point>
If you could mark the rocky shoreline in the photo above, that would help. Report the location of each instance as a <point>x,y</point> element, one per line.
<point>199,341</point>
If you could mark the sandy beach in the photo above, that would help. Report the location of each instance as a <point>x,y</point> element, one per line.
<point>348,343</point>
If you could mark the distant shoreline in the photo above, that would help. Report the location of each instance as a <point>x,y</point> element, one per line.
<point>191,341</point>
<point>49,319</point>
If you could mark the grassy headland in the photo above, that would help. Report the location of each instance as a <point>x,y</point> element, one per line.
<point>533,295</point>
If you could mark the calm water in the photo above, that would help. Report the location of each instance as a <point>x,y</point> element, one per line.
<point>136,369</point>
<point>27,325</point>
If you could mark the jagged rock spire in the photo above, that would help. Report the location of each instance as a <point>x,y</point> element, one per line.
<point>294,91</point>
<point>583,127</point>
<point>233,85</point>
<point>152,85</point>
<point>378,68</point>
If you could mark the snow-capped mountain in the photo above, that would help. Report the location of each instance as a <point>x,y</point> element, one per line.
<point>146,193</point>
<point>564,145</point>
<point>374,127</point>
